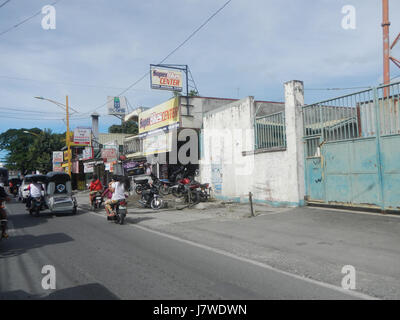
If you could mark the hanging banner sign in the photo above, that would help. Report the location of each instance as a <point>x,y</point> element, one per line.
<point>165,78</point>
<point>165,114</point>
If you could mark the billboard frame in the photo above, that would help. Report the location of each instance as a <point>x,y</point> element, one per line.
<point>180,67</point>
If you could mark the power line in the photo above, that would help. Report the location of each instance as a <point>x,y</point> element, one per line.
<point>44,119</point>
<point>169,54</point>
<point>66,83</point>
<point>25,20</point>
<point>4,3</point>
<point>335,89</point>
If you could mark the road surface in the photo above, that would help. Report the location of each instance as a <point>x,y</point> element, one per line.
<point>97,259</point>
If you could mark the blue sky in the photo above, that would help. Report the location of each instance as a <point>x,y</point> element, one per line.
<point>252,47</point>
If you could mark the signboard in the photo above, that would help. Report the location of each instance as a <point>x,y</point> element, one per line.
<point>157,143</point>
<point>58,156</point>
<point>88,167</point>
<point>57,167</point>
<point>165,78</point>
<point>109,154</point>
<point>116,105</point>
<point>87,153</point>
<point>160,116</point>
<point>82,137</point>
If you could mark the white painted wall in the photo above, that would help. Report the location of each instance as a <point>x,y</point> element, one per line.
<point>275,178</point>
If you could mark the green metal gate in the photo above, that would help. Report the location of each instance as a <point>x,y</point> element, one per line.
<point>352,149</point>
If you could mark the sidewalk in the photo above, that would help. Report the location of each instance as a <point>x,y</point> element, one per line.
<point>311,242</point>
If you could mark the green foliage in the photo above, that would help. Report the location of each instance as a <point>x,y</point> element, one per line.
<point>193,93</point>
<point>130,127</point>
<point>28,152</point>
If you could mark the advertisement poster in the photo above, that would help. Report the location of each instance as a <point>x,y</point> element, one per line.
<point>166,79</point>
<point>163,115</point>
<point>116,105</point>
<point>82,137</point>
<point>58,156</point>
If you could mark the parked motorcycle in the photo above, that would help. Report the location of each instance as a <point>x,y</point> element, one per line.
<point>178,189</point>
<point>141,185</point>
<point>151,198</point>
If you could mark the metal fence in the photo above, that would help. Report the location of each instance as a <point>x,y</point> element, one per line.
<point>270,131</point>
<point>352,116</point>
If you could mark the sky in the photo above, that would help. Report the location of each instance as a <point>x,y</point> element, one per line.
<point>250,48</point>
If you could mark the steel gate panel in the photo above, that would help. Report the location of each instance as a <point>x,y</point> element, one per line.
<point>352,149</point>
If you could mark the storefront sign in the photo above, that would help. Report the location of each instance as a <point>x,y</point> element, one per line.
<point>88,167</point>
<point>57,167</point>
<point>157,143</point>
<point>163,115</point>
<point>166,79</point>
<point>87,153</point>
<point>82,137</point>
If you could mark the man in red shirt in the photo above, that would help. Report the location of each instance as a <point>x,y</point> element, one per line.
<point>95,186</point>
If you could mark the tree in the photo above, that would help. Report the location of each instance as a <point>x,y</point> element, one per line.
<point>30,151</point>
<point>40,153</point>
<point>130,127</point>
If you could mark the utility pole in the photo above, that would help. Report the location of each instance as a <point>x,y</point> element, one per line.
<point>68,139</point>
<point>386,44</point>
<point>387,47</point>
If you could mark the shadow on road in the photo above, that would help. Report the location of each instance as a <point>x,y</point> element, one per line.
<point>130,219</point>
<point>92,291</point>
<point>19,244</point>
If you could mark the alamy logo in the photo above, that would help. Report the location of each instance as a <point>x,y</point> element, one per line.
<point>349,280</point>
<point>49,20</point>
<point>49,280</point>
<point>349,20</point>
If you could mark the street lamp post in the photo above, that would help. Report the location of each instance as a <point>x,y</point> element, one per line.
<point>68,140</point>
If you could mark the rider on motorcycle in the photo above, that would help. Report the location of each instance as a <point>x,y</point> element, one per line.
<point>35,191</point>
<point>118,190</point>
<point>95,186</point>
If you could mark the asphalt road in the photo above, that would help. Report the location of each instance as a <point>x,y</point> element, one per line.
<point>97,259</point>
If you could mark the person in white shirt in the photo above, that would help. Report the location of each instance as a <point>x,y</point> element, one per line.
<point>35,191</point>
<point>118,190</point>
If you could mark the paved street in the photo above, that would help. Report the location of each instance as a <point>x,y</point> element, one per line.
<point>95,259</point>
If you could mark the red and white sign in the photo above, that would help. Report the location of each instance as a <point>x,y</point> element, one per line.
<point>166,79</point>
<point>109,155</point>
<point>82,137</point>
<point>87,153</point>
<point>58,156</point>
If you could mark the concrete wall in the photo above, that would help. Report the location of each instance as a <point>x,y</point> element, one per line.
<point>234,168</point>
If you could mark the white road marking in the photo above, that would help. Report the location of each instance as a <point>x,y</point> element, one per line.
<point>355,294</point>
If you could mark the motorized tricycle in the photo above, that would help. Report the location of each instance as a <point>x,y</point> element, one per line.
<point>59,196</point>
